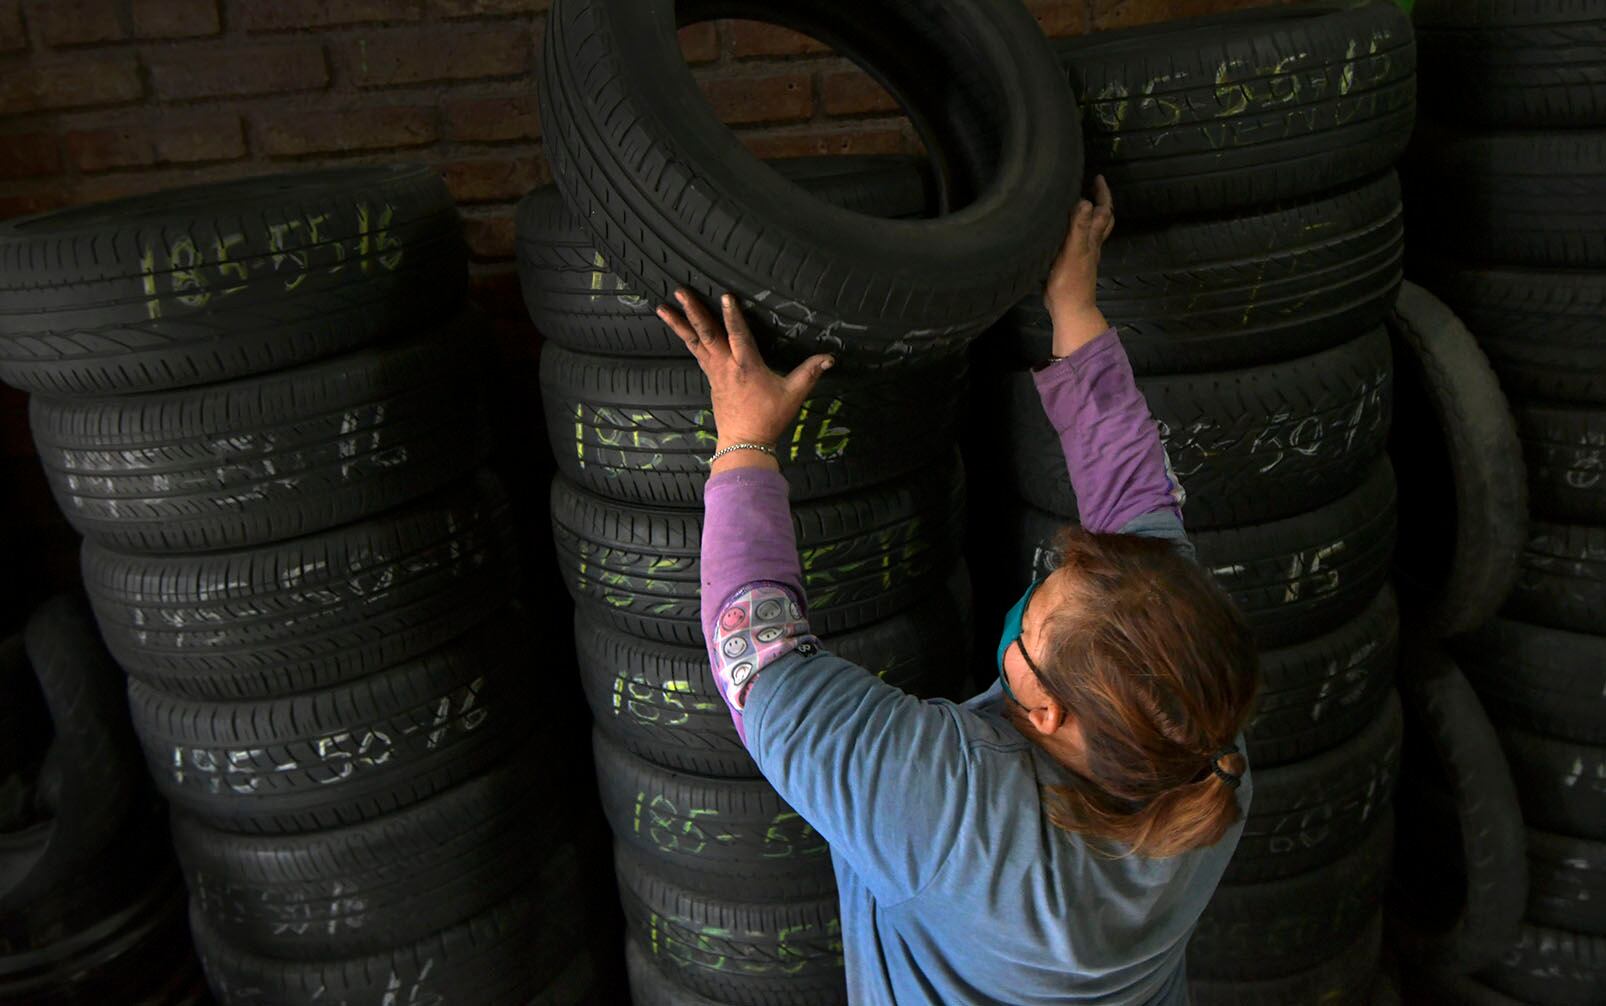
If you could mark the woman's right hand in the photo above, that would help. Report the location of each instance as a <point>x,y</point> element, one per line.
<point>1071,294</point>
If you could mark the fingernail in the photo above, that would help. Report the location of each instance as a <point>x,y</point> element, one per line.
<point>828,363</point>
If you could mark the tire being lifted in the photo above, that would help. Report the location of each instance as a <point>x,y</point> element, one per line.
<point>674,199</point>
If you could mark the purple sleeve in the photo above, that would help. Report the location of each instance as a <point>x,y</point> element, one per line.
<point>1118,466</point>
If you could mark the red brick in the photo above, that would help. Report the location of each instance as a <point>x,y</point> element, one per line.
<point>209,138</point>
<point>487,8</point>
<point>120,184</point>
<point>495,290</point>
<point>77,22</point>
<point>293,133</point>
<point>1059,18</point>
<point>175,18</point>
<point>296,15</point>
<point>24,155</point>
<point>252,69</point>
<point>495,179</point>
<point>853,92</point>
<point>490,239</point>
<point>417,57</point>
<point>493,120</point>
<point>833,140</point>
<point>26,204</point>
<point>699,43</point>
<point>783,97</point>
<point>755,38</point>
<point>78,83</point>
<point>12,35</point>
<point>1109,14</point>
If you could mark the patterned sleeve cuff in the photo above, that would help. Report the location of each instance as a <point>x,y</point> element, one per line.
<point>760,624</point>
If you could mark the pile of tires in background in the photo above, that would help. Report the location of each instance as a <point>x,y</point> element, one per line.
<point>1257,250</point>
<point>258,402</point>
<point>92,908</point>
<point>1506,191</point>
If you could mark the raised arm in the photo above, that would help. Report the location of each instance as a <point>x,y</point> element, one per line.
<point>1118,466</point>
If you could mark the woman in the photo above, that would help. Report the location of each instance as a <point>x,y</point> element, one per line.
<point>1054,839</point>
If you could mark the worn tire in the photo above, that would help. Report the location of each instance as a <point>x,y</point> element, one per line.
<point>768,953</point>
<point>1463,500</point>
<point>1513,64</point>
<point>213,282</point>
<point>1249,445</point>
<point>1222,292</point>
<point>364,888</point>
<point>659,701</point>
<point>1316,694</point>
<point>311,612</point>
<point>1345,979</point>
<point>1532,198</point>
<point>673,198</point>
<point>344,754</point>
<point>642,431</point>
<point>1566,451</point>
<point>1551,966</point>
<point>1563,578</point>
<point>651,986</point>
<point>1544,330</point>
<point>1561,784</point>
<point>1454,931</point>
<point>1566,882</point>
<point>864,557</point>
<point>1244,108</point>
<point>1538,678</point>
<point>1281,927</point>
<point>1308,813</point>
<point>575,301</point>
<point>267,458</point>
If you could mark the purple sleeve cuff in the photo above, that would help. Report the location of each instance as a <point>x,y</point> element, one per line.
<point>747,538</point>
<point>1117,463</point>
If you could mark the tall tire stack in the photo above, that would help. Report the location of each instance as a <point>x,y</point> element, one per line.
<point>1257,250</point>
<point>728,895</point>
<point>92,907</point>
<point>257,401</point>
<point>1507,193</point>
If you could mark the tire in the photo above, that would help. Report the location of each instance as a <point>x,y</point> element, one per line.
<point>1562,784</point>
<point>1566,452</point>
<point>1246,108</point>
<point>87,783</point>
<point>214,282</point>
<point>1553,967</point>
<point>642,431</point>
<point>344,754</point>
<point>1563,578</point>
<point>1219,293</point>
<point>1343,980</point>
<point>500,957</point>
<point>1514,65</point>
<point>1308,813</point>
<point>1566,883</point>
<point>1514,198</point>
<point>1454,931</point>
<point>1457,453</point>
<point>651,987</point>
<point>267,458</point>
<point>364,888</point>
<point>1317,694</point>
<point>312,612</point>
<point>672,197</point>
<point>577,304</point>
<point>865,557</point>
<point>1541,679</point>
<point>1544,330</point>
<point>1294,579</point>
<point>769,953</point>
<point>1273,929</point>
<point>1248,445</point>
<point>729,838</point>
<point>659,701</point>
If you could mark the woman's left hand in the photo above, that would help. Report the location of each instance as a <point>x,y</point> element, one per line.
<point>752,403</point>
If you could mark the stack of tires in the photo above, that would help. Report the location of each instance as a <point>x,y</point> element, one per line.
<point>1508,201</point>
<point>92,908</point>
<point>728,894</point>
<point>258,403</point>
<point>1258,248</point>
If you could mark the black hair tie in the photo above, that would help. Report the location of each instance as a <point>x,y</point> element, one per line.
<point>1232,779</point>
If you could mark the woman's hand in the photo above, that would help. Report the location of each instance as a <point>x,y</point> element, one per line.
<point>752,403</point>
<point>1071,294</point>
